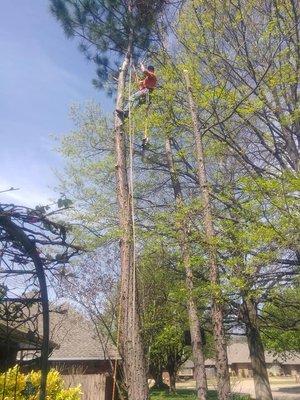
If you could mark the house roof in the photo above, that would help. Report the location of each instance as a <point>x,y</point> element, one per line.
<point>20,337</point>
<point>187,365</point>
<point>238,352</point>
<point>77,339</point>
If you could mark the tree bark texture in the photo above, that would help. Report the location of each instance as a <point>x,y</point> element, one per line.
<point>194,322</point>
<point>217,311</point>
<point>257,352</point>
<point>131,346</point>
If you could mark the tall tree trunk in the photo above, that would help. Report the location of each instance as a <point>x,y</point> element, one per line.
<point>217,311</point>
<point>257,353</point>
<point>131,346</point>
<point>194,322</point>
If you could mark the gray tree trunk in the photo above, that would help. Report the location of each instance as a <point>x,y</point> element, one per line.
<point>257,352</point>
<point>194,322</point>
<point>217,311</point>
<point>131,346</point>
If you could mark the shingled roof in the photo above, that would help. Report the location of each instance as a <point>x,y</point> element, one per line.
<point>238,352</point>
<point>77,339</point>
<point>22,338</point>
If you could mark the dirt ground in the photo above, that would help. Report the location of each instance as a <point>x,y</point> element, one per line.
<point>282,387</point>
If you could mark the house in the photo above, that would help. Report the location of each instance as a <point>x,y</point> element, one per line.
<point>13,340</point>
<point>82,355</point>
<point>240,363</point>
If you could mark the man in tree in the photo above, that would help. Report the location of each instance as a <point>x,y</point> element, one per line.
<point>146,86</point>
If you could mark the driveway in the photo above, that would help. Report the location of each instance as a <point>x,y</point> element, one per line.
<point>282,387</point>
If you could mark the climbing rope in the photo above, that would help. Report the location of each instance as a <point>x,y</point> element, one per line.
<point>146,136</point>
<point>131,194</point>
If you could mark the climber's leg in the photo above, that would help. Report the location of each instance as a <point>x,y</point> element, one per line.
<point>136,99</point>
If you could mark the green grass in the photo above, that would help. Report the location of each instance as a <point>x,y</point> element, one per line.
<point>187,394</point>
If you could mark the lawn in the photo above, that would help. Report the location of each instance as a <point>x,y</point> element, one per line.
<point>187,394</point>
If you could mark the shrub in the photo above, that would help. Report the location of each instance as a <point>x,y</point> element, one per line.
<point>14,385</point>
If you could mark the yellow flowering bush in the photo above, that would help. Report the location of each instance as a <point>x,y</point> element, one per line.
<point>14,385</point>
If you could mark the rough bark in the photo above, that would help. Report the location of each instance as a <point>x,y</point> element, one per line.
<point>217,311</point>
<point>257,353</point>
<point>194,322</point>
<point>131,346</point>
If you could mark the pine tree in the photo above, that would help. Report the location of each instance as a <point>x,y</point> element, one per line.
<point>113,33</point>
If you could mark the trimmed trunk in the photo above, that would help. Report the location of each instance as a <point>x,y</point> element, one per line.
<point>257,353</point>
<point>131,346</point>
<point>217,311</point>
<point>196,338</point>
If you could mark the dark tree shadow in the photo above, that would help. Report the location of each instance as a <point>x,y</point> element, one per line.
<point>290,390</point>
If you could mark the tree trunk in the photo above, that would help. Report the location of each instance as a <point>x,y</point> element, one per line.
<point>217,311</point>
<point>159,382</point>
<point>172,376</point>
<point>131,346</point>
<point>257,353</point>
<point>194,322</point>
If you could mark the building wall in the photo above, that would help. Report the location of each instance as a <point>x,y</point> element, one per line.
<point>210,372</point>
<point>242,370</point>
<point>94,377</point>
<point>291,369</point>
<point>93,386</point>
<point>186,373</point>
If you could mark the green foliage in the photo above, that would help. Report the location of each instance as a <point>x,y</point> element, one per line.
<point>15,385</point>
<point>88,151</point>
<point>281,333</point>
<point>164,315</point>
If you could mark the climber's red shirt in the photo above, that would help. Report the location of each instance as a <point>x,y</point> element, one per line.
<point>149,82</point>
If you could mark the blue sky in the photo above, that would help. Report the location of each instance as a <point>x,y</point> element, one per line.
<point>41,74</point>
